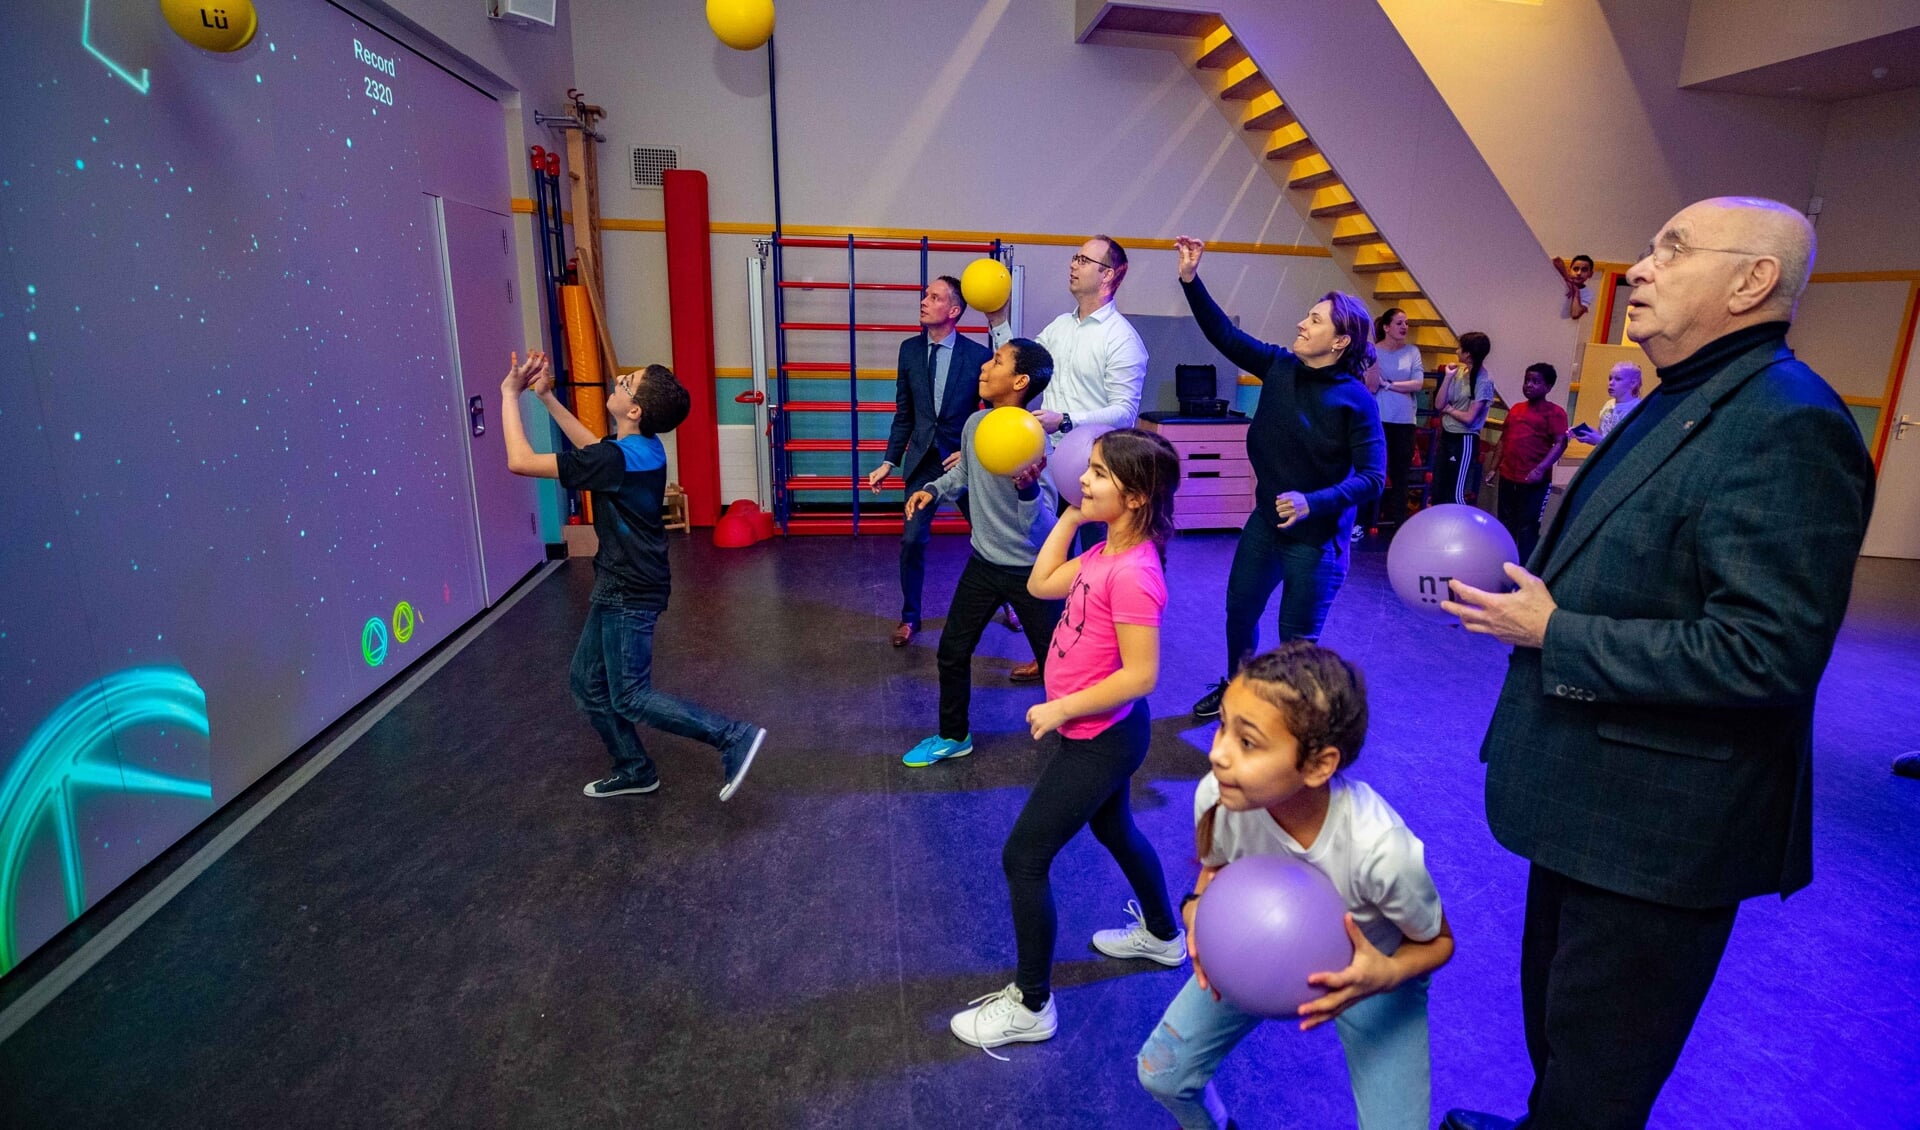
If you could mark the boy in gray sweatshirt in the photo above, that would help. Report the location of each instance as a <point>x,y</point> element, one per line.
<point>1010,517</point>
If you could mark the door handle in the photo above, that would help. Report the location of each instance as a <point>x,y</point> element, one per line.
<point>477,415</point>
<point>1900,429</point>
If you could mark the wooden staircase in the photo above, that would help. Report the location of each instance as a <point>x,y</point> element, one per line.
<point>1308,175</point>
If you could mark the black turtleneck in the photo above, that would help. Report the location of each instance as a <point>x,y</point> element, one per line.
<point>1316,431</point>
<point>1676,381</point>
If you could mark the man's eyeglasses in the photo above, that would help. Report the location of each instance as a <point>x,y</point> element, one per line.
<point>1665,251</point>
<point>1083,261</point>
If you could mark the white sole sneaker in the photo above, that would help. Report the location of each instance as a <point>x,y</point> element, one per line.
<point>1168,954</point>
<point>630,790</point>
<point>998,1019</point>
<point>740,774</point>
<point>1137,941</point>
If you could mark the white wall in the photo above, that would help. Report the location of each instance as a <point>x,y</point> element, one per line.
<point>1869,168</point>
<point>930,115</point>
<point>528,69</point>
<point>1574,104</point>
<point>1724,37</point>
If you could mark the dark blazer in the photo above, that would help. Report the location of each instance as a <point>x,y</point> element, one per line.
<point>1660,744</point>
<point>920,429</point>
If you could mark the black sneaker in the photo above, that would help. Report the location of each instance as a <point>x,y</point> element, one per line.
<point>621,786</point>
<point>737,758</point>
<point>1209,704</point>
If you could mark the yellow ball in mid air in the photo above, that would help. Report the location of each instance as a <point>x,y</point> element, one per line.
<point>986,285</point>
<point>741,24</point>
<point>219,25</point>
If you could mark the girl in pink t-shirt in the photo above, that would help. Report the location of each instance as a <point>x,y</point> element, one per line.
<point>1105,661</point>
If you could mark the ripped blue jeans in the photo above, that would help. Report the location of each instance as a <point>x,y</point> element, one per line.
<point>1384,1037</point>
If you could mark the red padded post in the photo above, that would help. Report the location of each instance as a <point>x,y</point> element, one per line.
<point>690,311</point>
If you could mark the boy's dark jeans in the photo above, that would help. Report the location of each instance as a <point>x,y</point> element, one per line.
<point>1521,506</point>
<point>612,683</point>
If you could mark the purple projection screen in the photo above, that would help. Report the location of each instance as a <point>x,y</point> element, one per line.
<point>232,436</point>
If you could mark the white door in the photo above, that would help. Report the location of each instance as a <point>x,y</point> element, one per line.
<point>1895,529</point>
<point>484,324</point>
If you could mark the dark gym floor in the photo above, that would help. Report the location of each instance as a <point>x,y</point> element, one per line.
<point>440,930</point>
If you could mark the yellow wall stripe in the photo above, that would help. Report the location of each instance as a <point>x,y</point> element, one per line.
<point>1040,239</point>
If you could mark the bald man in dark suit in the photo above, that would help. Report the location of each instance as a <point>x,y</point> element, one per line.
<point>1651,751</point>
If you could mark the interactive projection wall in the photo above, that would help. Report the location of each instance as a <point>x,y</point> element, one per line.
<point>233,438</point>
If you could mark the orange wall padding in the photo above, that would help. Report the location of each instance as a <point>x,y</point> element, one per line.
<point>583,348</point>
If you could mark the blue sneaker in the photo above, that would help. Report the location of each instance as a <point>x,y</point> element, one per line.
<point>937,748</point>
<point>738,757</point>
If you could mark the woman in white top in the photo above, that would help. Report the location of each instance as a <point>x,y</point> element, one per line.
<point>1396,378</point>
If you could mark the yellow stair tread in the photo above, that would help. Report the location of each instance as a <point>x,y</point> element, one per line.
<point>1267,112</point>
<point>1289,142</point>
<point>1396,284</point>
<point>1334,200</point>
<point>1312,172</point>
<point>1244,81</point>
<point>1219,50</point>
<point>1350,230</point>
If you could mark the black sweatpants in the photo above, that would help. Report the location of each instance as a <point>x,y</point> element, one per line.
<point>1453,468</point>
<point>1085,783</point>
<point>983,588</point>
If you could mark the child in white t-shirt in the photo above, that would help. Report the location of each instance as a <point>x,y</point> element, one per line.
<point>1289,722</point>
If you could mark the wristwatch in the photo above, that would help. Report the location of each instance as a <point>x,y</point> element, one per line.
<point>1066,423</point>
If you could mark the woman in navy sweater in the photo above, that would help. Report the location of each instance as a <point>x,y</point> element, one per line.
<point>1317,452</point>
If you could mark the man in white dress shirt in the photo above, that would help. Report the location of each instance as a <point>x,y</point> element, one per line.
<point>1099,361</point>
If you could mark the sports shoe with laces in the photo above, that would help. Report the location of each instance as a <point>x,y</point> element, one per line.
<point>621,786</point>
<point>1209,704</point>
<point>1002,1018</point>
<point>937,748</point>
<point>1138,941</point>
<point>737,758</point>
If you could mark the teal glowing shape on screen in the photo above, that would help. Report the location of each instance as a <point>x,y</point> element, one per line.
<point>86,40</point>
<point>73,752</point>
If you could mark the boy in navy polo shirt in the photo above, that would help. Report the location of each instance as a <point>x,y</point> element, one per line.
<point>612,678</point>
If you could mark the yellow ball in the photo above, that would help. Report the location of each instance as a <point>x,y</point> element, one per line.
<point>1008,440</point>
<point>986,285</point>
<point>220,25</point>
<point>741,24</point>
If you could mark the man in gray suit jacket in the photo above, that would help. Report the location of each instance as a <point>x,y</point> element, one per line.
<point>938,387</point>
<point>1651,751</point>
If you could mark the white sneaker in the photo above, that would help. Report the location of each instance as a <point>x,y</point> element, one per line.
<point>1001,1018</point>
<point>1138,941</point>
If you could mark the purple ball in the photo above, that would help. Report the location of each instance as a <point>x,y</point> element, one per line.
<point>1069,460</point>
<point>1265,924</point>
<point>1443,542</point>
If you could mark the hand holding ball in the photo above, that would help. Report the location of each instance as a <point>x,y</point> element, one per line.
<point>1265,924</point>
<point>1008,439</point>
<point>741,24</point>
<point>1443,542</point>
<point>986,285</point>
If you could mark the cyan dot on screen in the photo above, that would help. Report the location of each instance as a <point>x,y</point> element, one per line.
<point>78,163</point>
